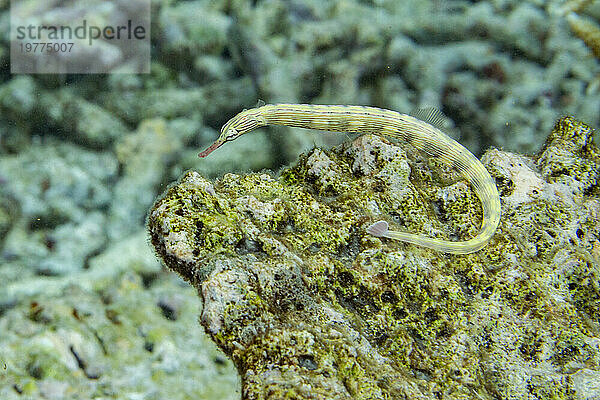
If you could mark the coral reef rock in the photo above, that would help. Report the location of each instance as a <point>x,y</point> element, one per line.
<point>131,340</point>
<point>309,306</point>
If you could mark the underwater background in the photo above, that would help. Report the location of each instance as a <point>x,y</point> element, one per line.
<point>86,309</point>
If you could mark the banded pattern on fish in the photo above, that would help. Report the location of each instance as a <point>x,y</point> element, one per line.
<point>392,125</point>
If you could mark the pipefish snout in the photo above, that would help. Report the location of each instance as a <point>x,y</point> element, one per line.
<point>388,124</point>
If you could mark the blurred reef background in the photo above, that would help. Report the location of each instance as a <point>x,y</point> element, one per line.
<point>86,310</point>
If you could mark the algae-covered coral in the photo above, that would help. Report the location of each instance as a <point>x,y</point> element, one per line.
<point>125,340</point>
<point>308,305</point>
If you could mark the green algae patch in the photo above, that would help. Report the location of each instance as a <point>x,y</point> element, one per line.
<point>570,156</point>
<point>309,306</point>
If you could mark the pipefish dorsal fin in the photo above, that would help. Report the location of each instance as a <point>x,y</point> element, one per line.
<point>260,103</point>
<point>437,118</point>
<point>432,116</point>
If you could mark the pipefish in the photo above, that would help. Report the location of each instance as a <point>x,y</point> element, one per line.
<point>392,125</point>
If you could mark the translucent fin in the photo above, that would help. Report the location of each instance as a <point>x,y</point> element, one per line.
<point>432,116</point>
<point>379,228</point>
<point>260,103</point>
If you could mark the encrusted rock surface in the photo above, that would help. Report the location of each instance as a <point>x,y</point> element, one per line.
<point>132,339</point>
<point>309,306</point>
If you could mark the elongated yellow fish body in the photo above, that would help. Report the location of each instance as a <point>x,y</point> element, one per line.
<point>389,124</point>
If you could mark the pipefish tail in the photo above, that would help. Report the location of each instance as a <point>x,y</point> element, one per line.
<point>392,125</point>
